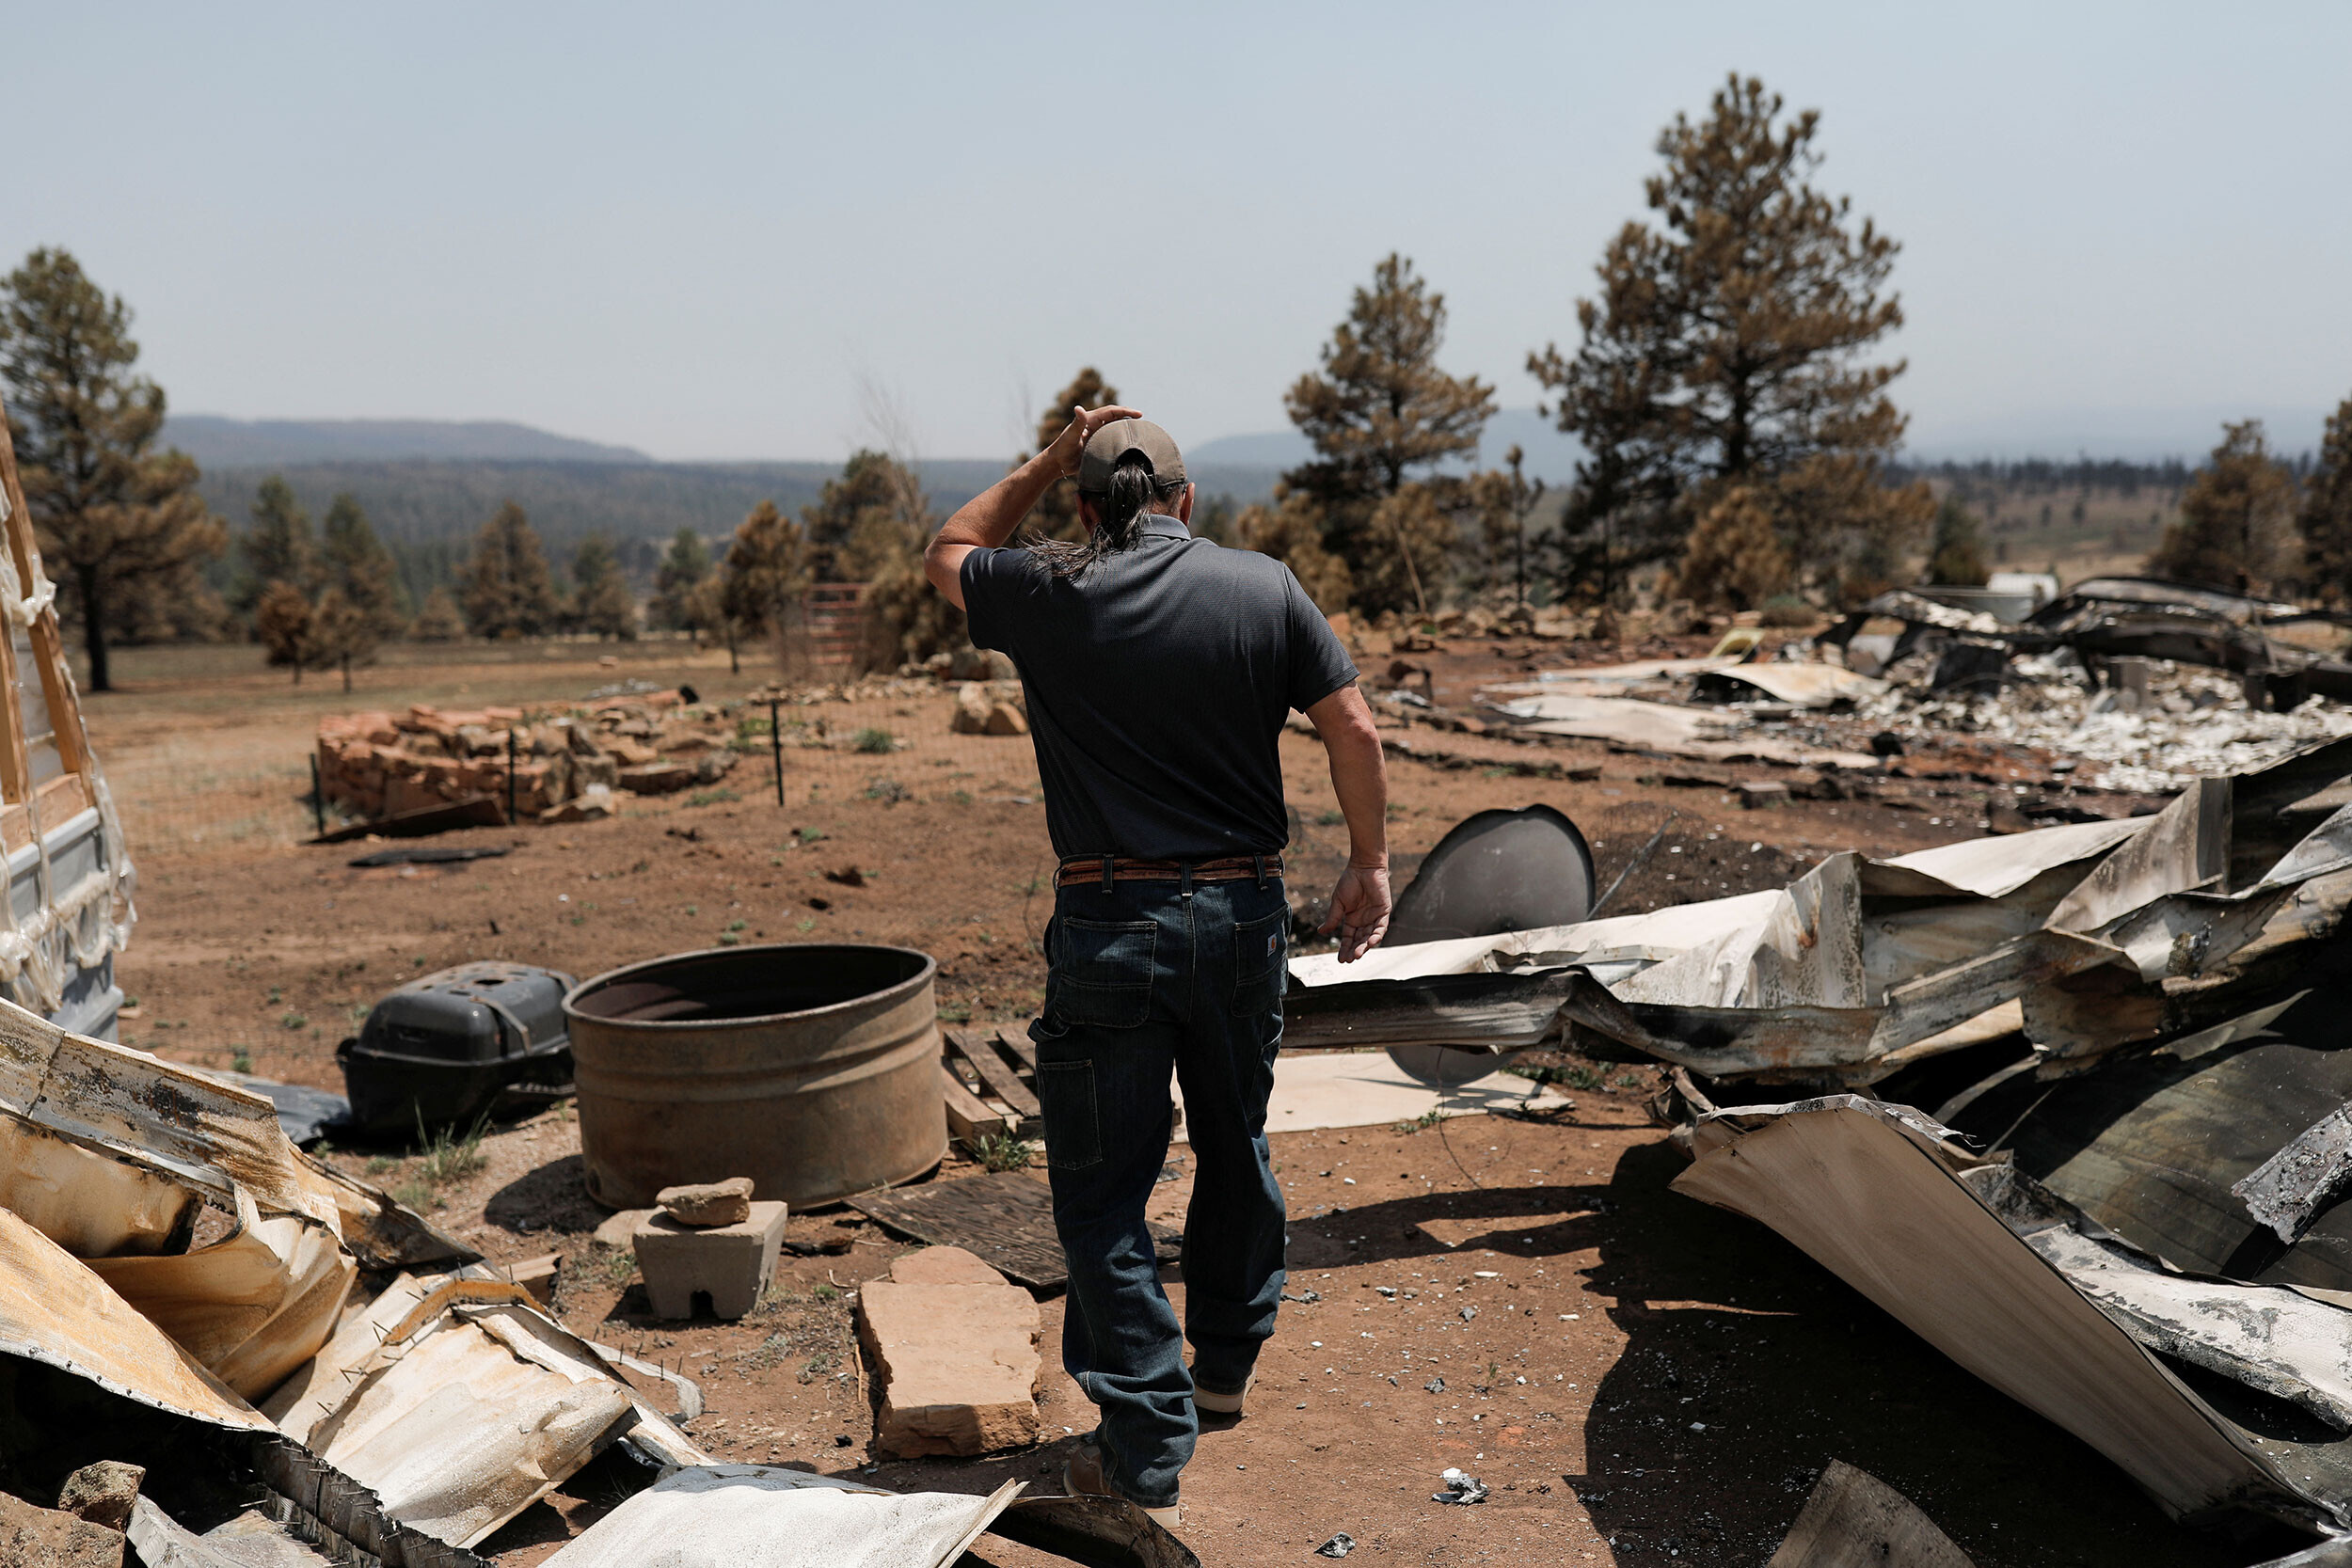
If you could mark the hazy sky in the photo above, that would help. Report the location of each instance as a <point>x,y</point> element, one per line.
<point>702,230</point>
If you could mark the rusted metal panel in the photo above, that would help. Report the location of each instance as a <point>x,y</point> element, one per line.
<point>54,1310</point>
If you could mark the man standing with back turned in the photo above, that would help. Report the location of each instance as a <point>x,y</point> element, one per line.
<point>1159,670</point>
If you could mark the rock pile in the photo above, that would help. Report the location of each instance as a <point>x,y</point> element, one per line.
<point>379,764</point>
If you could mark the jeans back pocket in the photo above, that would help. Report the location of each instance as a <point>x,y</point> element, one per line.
<point>1261,962</point>
<point>1100,971</point>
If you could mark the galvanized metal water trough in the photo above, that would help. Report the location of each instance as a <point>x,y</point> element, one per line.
<point>812,1069</point>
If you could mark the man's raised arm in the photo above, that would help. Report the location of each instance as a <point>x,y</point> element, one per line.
<point>988,519</point>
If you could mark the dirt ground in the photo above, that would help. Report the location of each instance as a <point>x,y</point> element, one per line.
<point>1642,1380</point>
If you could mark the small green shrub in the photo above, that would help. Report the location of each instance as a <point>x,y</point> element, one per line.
<point>875,741</point>
<point>1786,610</point>
<point>1001,1151</point>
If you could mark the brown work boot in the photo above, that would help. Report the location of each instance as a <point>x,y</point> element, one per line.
<point>1211,1401</point>
<point>1083,1476</point>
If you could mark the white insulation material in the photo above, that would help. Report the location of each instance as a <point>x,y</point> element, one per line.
<point>755,1516</point>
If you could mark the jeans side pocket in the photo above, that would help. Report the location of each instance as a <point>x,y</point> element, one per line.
<point>1261,962</point>
<point>1101,971</point>
<point>1073,1127</point>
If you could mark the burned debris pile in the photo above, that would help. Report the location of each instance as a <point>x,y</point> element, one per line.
<point>2125,683</point>
<point>2067,1102</point>
<point>215,1349</point>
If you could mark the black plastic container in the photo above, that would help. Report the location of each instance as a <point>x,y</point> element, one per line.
<point>440,1053</point>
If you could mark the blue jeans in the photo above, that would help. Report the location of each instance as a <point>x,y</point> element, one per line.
<point>1141,980</point>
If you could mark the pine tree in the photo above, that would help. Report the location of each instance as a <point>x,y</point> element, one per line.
<point>2326,519</point>
<point>1055,514</point>
<point>113,518</point>
<point>601,605</point>
<point>508,591</point>
<point>1726,349</point>
<point>437,620</point>
<point>1291,531</point>
<point>1505,500</point>
<point>1956,551</point>
<point>281,545</point>
<point>344,633</point>
<point>1381,414</point>
<point>286,624</point>
<point>864,519</point>
<point>356,562</point>
<point>684,565</point>
<point>766,571</point>
<point>1735,559</point>
<point>2237,517</point>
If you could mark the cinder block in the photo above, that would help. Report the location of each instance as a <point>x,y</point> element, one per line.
<point>727,1263</point>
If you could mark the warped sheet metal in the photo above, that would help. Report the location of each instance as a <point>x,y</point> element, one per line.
<point>2153,1145</point>
<point>55,1310</point>
<point>2101,935</point>
<point>253,1305</point>
<point>184,1127</point>
<point>461,1404</point>
<point>1799,685</point>
<point>112,1152</point>
<point>758,1516</point>
<point>1852,1518</point>
<point>1666,729</point>
<point>1868,1190</point>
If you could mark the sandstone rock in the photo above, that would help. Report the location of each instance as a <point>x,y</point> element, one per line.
<point>972,709</point>
<point>955,1353</point>
<point>708,1203</point>
<point>54,1538</point>
<point>726,1264</point>
<point>1004,719</point>
<point>102,1493</point>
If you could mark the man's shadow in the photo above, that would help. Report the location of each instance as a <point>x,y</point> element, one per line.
<point>1747,1368</point>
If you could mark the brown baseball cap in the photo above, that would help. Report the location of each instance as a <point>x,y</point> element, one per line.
<point>1109,446</point>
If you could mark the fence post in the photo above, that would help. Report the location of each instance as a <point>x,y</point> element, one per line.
<point>509,775</point>
<point>318,798</point>
<point>775,745</point>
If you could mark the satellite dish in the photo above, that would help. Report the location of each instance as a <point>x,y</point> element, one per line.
<point>1496,871</point>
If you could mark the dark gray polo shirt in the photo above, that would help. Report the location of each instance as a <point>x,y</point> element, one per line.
<point>1157,684</point>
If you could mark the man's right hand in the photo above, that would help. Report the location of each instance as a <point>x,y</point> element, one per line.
<point>1359,911</point>
<point>1084,422</point>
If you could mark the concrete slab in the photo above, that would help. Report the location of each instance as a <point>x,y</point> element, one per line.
<point>1364,1088</point>
<point>955,1354</point>
<point>617,1230</point>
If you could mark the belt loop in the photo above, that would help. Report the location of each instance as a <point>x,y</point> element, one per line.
<point>1184,875</point>
<point>1108,868</point>
<point>1260,861</point>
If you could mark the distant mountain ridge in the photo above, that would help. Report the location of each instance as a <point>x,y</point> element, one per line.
<point>216,441</point>
<point>1548,453</point>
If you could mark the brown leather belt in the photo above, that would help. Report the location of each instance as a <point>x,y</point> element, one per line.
<point>1083,869</point>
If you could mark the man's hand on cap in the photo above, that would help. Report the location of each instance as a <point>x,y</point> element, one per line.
<point>1084,422</point>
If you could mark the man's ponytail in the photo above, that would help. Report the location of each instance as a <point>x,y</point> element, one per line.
<point>1119,519</point>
